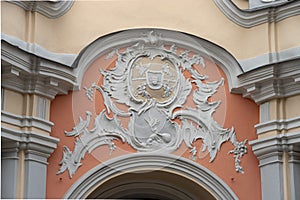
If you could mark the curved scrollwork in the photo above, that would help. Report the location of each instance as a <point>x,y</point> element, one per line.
<point>148,79</point>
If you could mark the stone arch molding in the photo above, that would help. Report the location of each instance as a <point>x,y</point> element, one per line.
<point>147,79</point>
<point>120,39</point>
<point>140,162</point>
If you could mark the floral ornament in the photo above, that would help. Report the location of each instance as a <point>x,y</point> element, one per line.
<point>238,152</point>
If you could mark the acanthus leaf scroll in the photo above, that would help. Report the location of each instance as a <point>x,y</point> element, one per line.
<point>148,79</point>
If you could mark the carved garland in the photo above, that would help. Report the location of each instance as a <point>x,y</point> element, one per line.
<point>147,78</point>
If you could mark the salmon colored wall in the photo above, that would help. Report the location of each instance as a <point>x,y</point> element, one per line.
<point>234,111</point>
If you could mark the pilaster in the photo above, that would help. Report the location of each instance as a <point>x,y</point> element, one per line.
<point>275,88</point>
<point>9,168</point>
<point>29,83</point>
<point>24,162</point>
<point>277,148</point>
<point>279,165</point>
<point>294,169</point>
<point>26,144</point>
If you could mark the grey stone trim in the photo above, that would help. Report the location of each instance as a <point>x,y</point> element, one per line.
<point>254,17</point>
<point>29,140</point>
<point>37,149</point>
<point>272,81</point>
<point>41,109</point>
<point>35,175</point>
<point>274,143</point>
<point>294,167</point>
<point>144,161</point>
<point>9,150</point>
<point>2,98</point>
<point>9,169</point>
<point>50,9</point>
<point>264,112</point>
<point>35,49</point>
<point>26,121</point>
<point>278,125</point>
<point>269,151</point>
<point>271,58</point>
<point>25,72</point>
<point>258,4</point>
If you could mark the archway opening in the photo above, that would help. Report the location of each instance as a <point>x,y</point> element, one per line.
<point>157,184</point>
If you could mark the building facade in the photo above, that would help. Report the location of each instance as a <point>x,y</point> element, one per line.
<point>150,99</point>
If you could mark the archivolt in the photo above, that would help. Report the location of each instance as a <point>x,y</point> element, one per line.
<point>140,162</point>
<point>207,49</point>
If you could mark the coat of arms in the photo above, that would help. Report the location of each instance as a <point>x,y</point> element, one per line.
<point>148,78</point>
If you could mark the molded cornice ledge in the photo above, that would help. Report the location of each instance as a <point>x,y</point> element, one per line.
<point>25,72</point>
<point>276,80</point>
<point>253,17</point>
<point>278,125</point>
<point>42,145</point>
<point>274,146</point>
<point>50,9</point>
<point>26,121</point>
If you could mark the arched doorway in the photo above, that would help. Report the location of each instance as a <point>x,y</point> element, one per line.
<point>150,176</point>
<point>157,184</point>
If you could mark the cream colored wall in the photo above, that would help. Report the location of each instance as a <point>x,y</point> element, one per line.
<point>288,33</point>
<point>242,4</point>
<point>13,102</point>
<point>13,20</point>
<point>283,109</point>
<point>86,21</point>
<point>292,105</point>
<point>23,105</point>
<point>103,17</point>
<point>89,20</point>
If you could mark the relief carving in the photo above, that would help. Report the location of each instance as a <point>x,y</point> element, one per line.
<point>148,79</point>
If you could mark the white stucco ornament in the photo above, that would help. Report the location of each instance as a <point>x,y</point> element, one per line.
<point>148,79</point>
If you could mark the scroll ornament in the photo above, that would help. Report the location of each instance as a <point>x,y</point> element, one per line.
<point>148,79</point>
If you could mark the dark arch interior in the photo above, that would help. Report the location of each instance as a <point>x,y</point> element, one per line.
<point>150,185</point>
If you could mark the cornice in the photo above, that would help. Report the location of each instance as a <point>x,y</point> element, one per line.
<point>50,9</point>
<point>26,121</point>
<point>25,72</point>
<point>29,141</point>
<point>278,125</point>
<point>276,80</point>
<point>29,68</point>
<point>39,51</point>
<point>275,145</point>
<point>270,58</point>
<point>253,17</point>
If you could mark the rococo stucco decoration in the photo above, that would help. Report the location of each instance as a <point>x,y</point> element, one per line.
<point>148,78</point>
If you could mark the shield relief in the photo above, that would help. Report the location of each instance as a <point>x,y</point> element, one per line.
<point>154,79</point>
